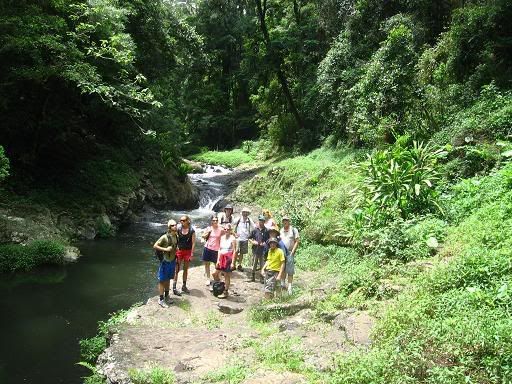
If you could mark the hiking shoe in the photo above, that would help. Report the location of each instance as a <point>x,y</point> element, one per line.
<point>176,292</point>
<point>184,289</point>
<point>239,268</point>
<point>223,295</point>
<point>168,300</point>
<point>290,290</point>
<point>208,282</point>
<point>253,278</point>
<point>162,303</point>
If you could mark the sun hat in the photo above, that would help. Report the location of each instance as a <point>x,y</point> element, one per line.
<point>273,240</point>
<point>285,217</point>
<point>228,206</point>
<point>261,218</point>
<point>274,228</point>
<point>245,209</point>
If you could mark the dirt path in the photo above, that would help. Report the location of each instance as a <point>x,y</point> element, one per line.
<point>199,335</point>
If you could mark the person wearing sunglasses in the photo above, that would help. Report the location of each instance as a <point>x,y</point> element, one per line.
<point>167,244</point>
<point>186,244</point>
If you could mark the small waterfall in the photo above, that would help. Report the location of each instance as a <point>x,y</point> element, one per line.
<point>210,192</point>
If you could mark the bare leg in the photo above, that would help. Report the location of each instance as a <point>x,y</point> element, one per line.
<point>185,271</point>
<point>227,278</point>
<point>207,269</point>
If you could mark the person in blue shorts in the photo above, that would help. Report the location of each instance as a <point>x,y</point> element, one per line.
<point>167,244</point>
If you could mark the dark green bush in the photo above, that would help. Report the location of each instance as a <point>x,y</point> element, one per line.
<point>91,348</point>
<point>16,257</point>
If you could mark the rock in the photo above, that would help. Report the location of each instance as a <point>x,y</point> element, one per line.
<point>194,165</point>
<point>229,308</point>
<point>71,254</point>
<point>356,325</point>
<point>88,232</point>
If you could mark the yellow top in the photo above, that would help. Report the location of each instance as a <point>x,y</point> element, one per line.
<point>275,259</point>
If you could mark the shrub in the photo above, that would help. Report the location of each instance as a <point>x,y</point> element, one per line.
<point>401,181</point>
<point>17,257</point>
<point>91,348</point>
<point>4,164</point>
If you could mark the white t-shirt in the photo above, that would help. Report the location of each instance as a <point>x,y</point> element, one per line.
<point>244,228</point>
<point>289,237</point>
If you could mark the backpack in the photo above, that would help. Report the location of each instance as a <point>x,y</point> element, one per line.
<point>159,255</point>
<point>218,288</point>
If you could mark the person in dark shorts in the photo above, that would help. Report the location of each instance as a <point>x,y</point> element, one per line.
<point>226,217</point>
<point>243,228</point>
<point>211,236</point>
<point>258,238</point>
<point>186,245</point>
<point>226,260</point>
<point>167,244</point>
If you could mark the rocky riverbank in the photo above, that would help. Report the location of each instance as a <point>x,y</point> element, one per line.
<point>22,223</point>
<point>199,336</point>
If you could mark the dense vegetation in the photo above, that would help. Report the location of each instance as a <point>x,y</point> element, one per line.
<point>399,114</point>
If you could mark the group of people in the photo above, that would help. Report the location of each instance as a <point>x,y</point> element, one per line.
<point>227,241</point>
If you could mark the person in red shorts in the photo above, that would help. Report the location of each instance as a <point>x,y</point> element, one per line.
<point>226,261</point>
<point>186,244</point>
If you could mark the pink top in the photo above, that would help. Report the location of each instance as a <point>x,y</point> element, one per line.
<point>213,241</point>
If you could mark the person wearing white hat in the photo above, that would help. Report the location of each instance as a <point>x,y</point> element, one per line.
<point>167,244</point>
<point>243,228</point>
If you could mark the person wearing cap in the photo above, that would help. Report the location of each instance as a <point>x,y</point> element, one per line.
<point>258,239</point>
<point>243,228</point>
<point>167,243</point>
<point>290,238</point>
<point>274,232</point>
<point>273,268</point>
<point>226,261</point>
<point>226,216</point>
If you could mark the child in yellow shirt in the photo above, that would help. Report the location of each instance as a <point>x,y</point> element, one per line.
<point>274,267</point>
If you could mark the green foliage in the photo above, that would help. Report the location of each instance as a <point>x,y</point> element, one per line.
<point>91,348</point>
<point>17,257</point>
<point>231,374</point>
<point>281,353</point>
<point>4,164</point>
<point>95,377</point>
<point>453,323</point>
<point>232,158</point>
<point>401,181</point>
<point>153,375</point>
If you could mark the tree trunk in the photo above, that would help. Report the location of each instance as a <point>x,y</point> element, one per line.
<point>262,10</point>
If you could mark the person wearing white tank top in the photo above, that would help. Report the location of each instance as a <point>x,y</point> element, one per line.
<point>226,260</point>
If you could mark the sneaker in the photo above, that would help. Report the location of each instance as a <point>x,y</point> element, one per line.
<point>162,303</point>
<point>184,289</point>
<point>176,292</point>
<point>223,295</point>
<point>208,282</point>
<point>239,268</point>
<point>168,300</point>
<point>290,290</point>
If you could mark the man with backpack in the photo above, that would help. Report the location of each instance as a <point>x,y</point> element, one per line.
<point>243,228</point>
<point>165,250</point>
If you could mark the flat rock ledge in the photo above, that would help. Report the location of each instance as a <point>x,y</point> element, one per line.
<point>200,334</point>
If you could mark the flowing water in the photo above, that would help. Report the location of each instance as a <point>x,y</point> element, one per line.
<point>46,312</point>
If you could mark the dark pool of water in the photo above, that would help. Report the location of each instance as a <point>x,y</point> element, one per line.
<point>45,313</point>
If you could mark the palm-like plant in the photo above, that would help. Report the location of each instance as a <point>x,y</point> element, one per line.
<point>402,180</point>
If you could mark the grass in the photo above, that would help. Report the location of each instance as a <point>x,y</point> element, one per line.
<point>233,158</point>
<point>152,375</point>
<point>230,374</point>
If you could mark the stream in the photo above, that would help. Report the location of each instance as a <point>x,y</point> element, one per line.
<point>47,311</point>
